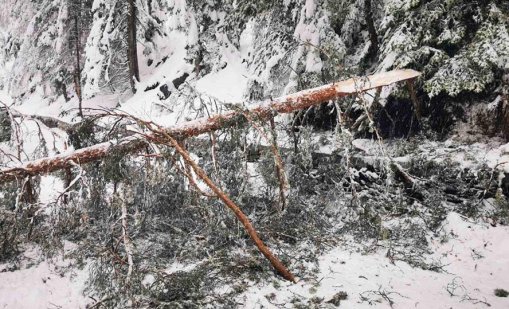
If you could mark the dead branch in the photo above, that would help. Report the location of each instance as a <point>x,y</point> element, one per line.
<point>400,172</point>
<point>280,170</point>
<point>278,161</point>
<point>49,122</point>
<point>127,241</point>
<point>285,104</point>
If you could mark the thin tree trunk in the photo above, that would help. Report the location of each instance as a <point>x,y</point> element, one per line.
<point>128,246</point>
<point>278,162</point>
<point>67,183</point>
<point>285,104</point>
<point>373,37</point>
<point>77,73</point>
<point>64,92</point>
<point>505,105</point>
<point>415,101</point>
<point>132,50</point>
<point>28,192</point>
<point>149,6</point>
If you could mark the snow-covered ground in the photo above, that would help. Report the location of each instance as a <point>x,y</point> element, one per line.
<point>46,284</point>
<point>475,259</point>
<point>474,255</point>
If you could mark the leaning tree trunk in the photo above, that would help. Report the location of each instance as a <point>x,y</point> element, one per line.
<point>132,50</point>
<point>265,110</point>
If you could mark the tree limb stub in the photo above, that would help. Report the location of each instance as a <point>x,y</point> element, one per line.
<point>284,104</point>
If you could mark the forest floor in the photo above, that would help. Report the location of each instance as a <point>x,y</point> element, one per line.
<point>474,258</point>
<point>465,261</point>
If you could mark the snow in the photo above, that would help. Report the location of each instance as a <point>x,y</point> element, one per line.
<point>246,40</point>
<point>475,259</point>
<point>256,182</point>
<point>97,43</point>
<point>43,285</point>
<point>230,83</point>
<point>227,85</point>
<point>308,35</point>
<point>148,280</point>
<point>491,152</point>
<point>177,266</point>
<point>40,287</point>
<point>51,188</point>
<point>474,255</point>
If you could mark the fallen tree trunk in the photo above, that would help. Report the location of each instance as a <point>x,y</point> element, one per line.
<point>284,104</point>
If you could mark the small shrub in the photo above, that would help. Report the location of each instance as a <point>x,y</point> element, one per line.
<point>337,298</point>
<point>501,293</point>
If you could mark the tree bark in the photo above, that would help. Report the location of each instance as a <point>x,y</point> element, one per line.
<point>505,105</point>
<point>373,37</point>
<point>278,163</point>
<point>132,49</point>
<point>285,104</point>
<point>415,101</point>
<point>77,72</point>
